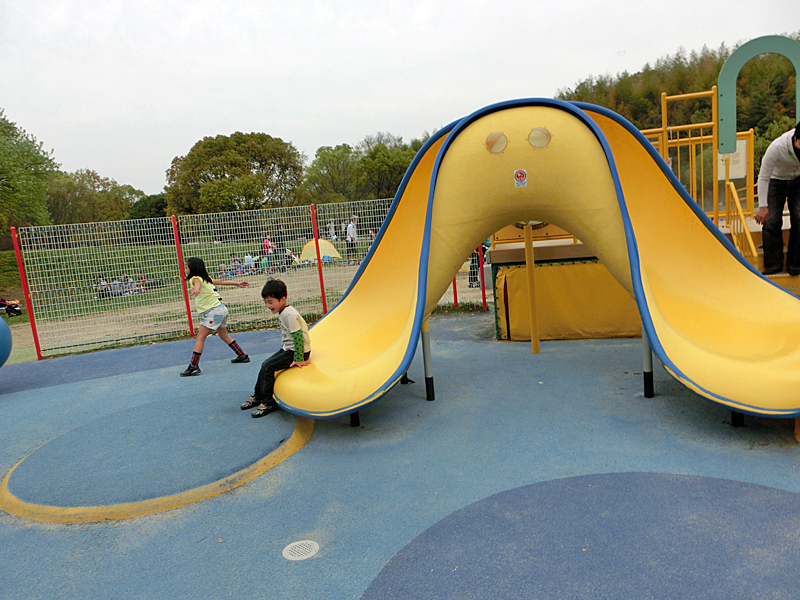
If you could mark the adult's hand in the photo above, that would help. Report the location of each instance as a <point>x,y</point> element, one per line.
<point>761,214</point>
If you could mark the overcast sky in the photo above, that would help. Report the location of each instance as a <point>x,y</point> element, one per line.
<point>122,87</point>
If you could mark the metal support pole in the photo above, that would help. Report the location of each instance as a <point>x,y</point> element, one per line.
<point>426,358</point>
<point>530,264</point>
<point>647,365</point>
<point>319,259</point>
<point>26,291</point>
<point>355,419</point>
<point>181,273</point>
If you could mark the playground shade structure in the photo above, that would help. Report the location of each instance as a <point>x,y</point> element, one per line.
<point>714,322</point>
<point>309,251</point>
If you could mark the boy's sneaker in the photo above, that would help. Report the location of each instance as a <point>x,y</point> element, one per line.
<point>263,412</point>
<point>251,403</point>
<point>241,359</point>
<point>190,370</point>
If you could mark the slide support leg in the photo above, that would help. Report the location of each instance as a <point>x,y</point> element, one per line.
<point>647,365</point>
<point>355,419</point>
<point>426,357</point>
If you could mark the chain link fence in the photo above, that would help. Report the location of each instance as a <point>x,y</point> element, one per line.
<point>102,285</point>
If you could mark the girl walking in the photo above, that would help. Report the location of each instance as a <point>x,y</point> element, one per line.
<point>215,313</point>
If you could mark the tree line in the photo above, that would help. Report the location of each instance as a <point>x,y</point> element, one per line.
<point>247,171</point>
<point>765,100</point>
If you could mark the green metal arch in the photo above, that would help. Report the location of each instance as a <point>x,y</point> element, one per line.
<point>726,83</point>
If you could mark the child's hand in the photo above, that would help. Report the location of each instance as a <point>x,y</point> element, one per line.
<point>243,284</point>
<point>301,364</point>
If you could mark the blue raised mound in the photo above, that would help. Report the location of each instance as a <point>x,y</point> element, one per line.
<point>5,342</point>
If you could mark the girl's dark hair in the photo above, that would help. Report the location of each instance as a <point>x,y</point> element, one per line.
<point>197,268</point>
<point>274,288</point>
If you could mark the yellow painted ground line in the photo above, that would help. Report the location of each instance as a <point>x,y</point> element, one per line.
<point>94,514</point>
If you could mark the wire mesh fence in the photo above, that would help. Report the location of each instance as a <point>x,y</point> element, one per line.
<point>348,230</point>
<point>467,286</point>
<point>253,246</point>
<point>97,284</point>
<point>102,285</point>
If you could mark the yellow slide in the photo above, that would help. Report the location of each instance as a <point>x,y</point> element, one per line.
<point>716,325</point>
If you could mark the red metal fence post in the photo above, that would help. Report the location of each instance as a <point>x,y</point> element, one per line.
<point>455,294</point>
<point>182,277</point>
<point>26,291</point>
<point>483,282</point>
<point>319,259</point>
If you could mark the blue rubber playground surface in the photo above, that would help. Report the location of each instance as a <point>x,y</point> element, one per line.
<point>530,476</point>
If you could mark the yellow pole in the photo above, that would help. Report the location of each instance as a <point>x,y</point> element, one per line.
<point>750,175</point>
<point>715,152</point>
<point>529,266</point>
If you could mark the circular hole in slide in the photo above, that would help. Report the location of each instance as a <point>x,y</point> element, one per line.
<point>496,142</point>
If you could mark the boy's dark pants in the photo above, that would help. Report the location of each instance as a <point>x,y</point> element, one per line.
<point>266,376</point>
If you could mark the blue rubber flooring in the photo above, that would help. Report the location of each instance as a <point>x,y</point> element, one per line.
<point>619,535</point>
<point>539,476</point>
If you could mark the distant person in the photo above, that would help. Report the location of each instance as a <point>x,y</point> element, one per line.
<point>249,263</point>
<point>214,312</point>
<point>12,307</point>
<point>294,353</point>
<point>779,183</point>
<point>267,246</point>
<point>101,287</point>
<point>352,241</point>
<point>280,248</point>
<point>266,264</point>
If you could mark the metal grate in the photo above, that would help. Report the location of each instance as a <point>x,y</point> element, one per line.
<point>300,550</point>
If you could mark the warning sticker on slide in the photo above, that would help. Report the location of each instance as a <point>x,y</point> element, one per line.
<point>520,178</point>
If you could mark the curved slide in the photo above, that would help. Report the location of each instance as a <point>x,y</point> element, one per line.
<point>714,322</point>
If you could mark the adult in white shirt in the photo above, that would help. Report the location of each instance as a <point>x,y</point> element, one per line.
<point>778,183</point>
<point>352,238</point>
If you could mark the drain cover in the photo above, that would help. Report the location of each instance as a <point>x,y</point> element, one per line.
<point>300,550</point>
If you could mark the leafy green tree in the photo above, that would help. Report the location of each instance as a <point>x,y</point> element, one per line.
<point>149,207</point>
<point>66,199</point>
<point>243,171</point>
<point>382,168</point>
<point>25,170</point>
<point>334,175</point>
<point>86,197</point>
<point>118,202</point>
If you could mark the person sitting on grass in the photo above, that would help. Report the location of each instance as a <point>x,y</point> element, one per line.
<point>294,353</point>
<point>12,307</point>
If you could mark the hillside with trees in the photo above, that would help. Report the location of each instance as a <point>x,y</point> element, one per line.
<point>765,92</point>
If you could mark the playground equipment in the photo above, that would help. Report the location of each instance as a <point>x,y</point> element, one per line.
<point>590,172</point>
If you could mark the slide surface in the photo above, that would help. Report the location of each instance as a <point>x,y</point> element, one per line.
<point>714,322</point>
